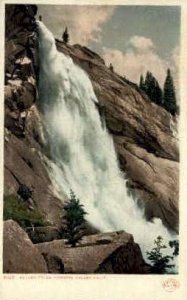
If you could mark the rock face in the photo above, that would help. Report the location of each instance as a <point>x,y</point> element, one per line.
<point>101,253</point>
<point>24,138</point>
<point>20,64</point>
<point>19,254</point>
<point>145,144</point>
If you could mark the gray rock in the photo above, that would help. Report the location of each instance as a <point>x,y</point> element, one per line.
<point>19,254</point>
<point>119,255</point>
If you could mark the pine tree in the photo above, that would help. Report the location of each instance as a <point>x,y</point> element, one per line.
<point>65,36</point>
<point>152,89</point>
<point>74,220</point>
<point>174,244</point>
<point>157,98</point>
<point>141,83</point>
<point>111,67</point>
<point>148,79</point>
<point>160,263</point>
<point>169,101</point>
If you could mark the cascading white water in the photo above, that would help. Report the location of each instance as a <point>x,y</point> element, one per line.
<point>83,154</point>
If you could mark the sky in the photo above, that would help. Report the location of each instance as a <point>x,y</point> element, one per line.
<point>133,38</point>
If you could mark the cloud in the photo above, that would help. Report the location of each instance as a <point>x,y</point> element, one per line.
<point>141,43</point>
<point>139,57</point>
<point>84,22</point>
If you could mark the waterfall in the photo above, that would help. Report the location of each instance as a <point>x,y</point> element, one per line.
<point>82,151</point>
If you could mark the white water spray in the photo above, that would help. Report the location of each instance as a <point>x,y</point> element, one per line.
<point>83,154</point>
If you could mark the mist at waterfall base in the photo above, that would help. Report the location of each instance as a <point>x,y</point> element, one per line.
<point>82,151</point>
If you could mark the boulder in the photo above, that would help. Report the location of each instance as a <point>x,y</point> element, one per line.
<point>19,254</point>
<point>43,234</point>
<point>101,253</point>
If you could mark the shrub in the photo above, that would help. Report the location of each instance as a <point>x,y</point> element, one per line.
<point>160,262</point>
<point>24,192</point>
<point>18,211</point>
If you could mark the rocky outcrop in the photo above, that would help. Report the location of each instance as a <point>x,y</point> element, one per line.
<point>24,136</point>
<point>114,252</point>
<point>145,144</point>
<point>19,254</point>
<point>101,253</point>
<point>20,64</point>
<point>43,234</point>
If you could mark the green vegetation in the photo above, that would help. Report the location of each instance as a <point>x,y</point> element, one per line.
<point>160,263</point>
<point>170,103</point>
<point>74,220</point>
<point>175,244</point>
<point>18,211</point>
<point>24,192</point>
<point>65,36</point>
<point>151,87</point>
<point>165,98</point>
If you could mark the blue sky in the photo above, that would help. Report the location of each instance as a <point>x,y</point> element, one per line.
<point>133,38</point>
<point>160,24</point>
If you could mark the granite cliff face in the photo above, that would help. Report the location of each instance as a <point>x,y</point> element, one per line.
<point>23,126</point>
<point>145,144</point>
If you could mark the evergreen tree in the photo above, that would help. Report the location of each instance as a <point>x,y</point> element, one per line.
<point>148,79</point>
<point>160,263</point>
<point>74,220</point>
<point>65,36</point>
<point>169,102</point>
<point>157,97</point>
<point>152,88</point>
<point>141,83</point>
<point>175,244</point>
<point>111,67</point>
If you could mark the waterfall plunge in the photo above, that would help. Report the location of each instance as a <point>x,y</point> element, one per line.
<point>83,154</point>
